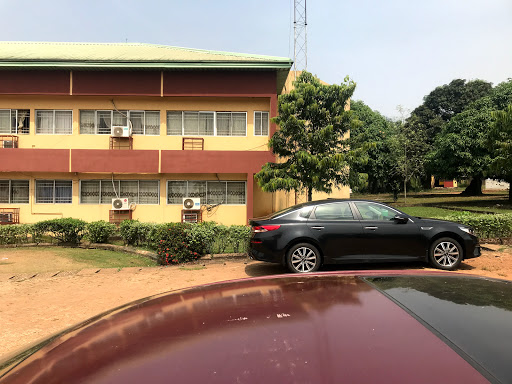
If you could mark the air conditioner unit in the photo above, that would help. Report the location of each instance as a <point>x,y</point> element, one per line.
<point>120,203</point>
<point>120,131</point>
<point>191,217</point>
<point>191,203</point>
<point>10,144</point>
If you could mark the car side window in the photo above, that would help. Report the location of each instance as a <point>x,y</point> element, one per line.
<point>372,211</point>
<point>334,211</point>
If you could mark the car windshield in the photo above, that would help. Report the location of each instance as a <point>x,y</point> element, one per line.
<point>473,314</point>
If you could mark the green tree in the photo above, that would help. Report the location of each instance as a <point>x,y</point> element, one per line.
<point>378,173</point>
<point>462,148</point>
<point>311,141</point>
<point>500,142</point>
<point>438,108</point>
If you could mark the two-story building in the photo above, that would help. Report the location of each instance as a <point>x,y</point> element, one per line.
<point>113,131</point>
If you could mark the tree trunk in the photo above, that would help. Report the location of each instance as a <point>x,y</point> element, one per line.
<point>310,194</point>
<point>474,188</point>
<point>509,181</point>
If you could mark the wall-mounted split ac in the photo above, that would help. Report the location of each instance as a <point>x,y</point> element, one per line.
<point>121,131</point>
<point>191,203</point>
<point>120,203</point>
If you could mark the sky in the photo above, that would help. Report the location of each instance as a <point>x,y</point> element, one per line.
<point>397,51</point>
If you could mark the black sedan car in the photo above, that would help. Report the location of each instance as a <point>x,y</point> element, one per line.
<point>305,236</point>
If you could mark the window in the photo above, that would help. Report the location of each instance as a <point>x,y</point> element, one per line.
<point>14,121</point>
<point>14,191</point>
<point>210,192</point>
<point>231,123</point>
<point>260,123</point>
<point>53,122</point>
<point>54,191</point>
<point>334,211</point>
<point>372,211</point>
<point>103,191</point>
<point>205,123</point>
<point>101,122</point>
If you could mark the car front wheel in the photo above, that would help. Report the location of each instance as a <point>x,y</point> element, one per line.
<point>446,253</point>
<point>303,258</point>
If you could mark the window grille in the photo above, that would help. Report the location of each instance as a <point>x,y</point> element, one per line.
<point>54,191</point>
<point>54,122</point>
<point>102,191</point>
<point>261,123</point>
<point>210,192</point>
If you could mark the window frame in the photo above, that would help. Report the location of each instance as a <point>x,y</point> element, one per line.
<point>15,131</point>
<point>215,133</point>
<point>261,127</point>
<point>206,189</point>
<point>54,120</point>
<point>10,191</point>
<point>54,189</point>
<point>118,190</point>
<point>127,112</point>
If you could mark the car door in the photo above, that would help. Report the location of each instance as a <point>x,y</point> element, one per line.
<point>387,238</point>
<point>337,231</point>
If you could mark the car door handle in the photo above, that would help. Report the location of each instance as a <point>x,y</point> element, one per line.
<point>371,228</point>
<point>318,228</point>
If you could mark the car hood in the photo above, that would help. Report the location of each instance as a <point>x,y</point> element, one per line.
<point>433,222</point>
<point>329,328</point>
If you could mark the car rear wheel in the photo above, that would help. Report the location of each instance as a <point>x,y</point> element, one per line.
<point>446,253</point>
<point>303,258</point>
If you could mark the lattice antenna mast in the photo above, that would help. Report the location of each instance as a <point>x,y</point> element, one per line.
<point>300,47</point>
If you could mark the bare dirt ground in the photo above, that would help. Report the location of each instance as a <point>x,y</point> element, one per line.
<point>35,305</point>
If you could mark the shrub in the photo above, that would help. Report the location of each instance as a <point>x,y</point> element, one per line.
<point>174,244</point>
<point>100,231</point>
<point>202,237</point>
<point>65,230</point>
<point>484,225</point>
<point>240,236</point>
<point>136,233</point>
<point>222,239</point>
<point>15,233</point>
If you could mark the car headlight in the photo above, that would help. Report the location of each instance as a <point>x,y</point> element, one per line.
<point>467,230</point>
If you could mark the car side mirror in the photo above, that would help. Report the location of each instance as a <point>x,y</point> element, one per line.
<point>401,219</point>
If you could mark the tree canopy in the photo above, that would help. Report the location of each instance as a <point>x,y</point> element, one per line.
<point>310,143</point>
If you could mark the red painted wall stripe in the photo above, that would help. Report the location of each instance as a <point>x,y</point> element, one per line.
<point>214,161</point>
<point>214,83</point>
<point>116,83</point>
<point>34,160</point>
<point>34,82</point>
<point>117,161</point>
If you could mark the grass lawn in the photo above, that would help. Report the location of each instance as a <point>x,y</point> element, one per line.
<point>63,258</point>
<point>442,200</point>
<point>426,211</point>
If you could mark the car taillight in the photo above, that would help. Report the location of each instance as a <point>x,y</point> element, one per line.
<point>265,228</point>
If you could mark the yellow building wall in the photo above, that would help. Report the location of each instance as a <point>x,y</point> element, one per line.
<point>157,213</point>
<point>162,104</point>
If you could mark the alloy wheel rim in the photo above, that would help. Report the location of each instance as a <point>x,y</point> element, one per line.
<point>303,259</point>
<point>446,254</point>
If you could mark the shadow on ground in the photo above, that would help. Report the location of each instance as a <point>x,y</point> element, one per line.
<point>267,269</point>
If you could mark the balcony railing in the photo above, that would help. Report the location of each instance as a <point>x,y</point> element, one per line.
<point>9,216</point>
<point>8,141</point>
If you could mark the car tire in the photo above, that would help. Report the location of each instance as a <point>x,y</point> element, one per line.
<point>303,258</point>
<point>446,253</point>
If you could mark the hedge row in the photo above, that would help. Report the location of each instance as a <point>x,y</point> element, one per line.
<point>495,226</point>
<point>174,242</point>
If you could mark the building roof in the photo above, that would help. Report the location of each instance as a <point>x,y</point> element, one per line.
<point>127,55</point>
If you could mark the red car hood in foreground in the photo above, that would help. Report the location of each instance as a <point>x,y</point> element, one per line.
<point>318,328</point>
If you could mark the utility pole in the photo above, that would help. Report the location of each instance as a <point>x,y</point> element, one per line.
<point>300,38</point>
